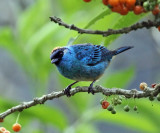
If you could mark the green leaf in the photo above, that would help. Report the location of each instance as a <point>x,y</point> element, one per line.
<point>102,22</point>
<point>43,113</point>
<point>32,19</point>
<point>128,120</point>
<point>107,21</point>
<point>97,18</point>
<point>123,21</point>
<point>48,114</point>
<point>40,37</point>
<point>85,128</point>
<point>79,102</point>
<point>119,79</point>
<point>8,42</point>
<point>148,110</point>
<point>146,115</point>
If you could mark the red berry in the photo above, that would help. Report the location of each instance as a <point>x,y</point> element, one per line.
<point>138,10</point>
<point>117,8</point>
<point>124,11</point>
<point>1,119</point>
<point>16,127</point>
<point>105,104</point>
<point>153,85</point>
<point>87,0</point>
<point>105,2</point>
<point>156,10</point>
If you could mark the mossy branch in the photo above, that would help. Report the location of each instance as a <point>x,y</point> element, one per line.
<point>97,89</point>
<point>145,24</point>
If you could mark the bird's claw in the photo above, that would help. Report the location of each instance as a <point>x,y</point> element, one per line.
<point>67,91</point>
<point>90,90</point>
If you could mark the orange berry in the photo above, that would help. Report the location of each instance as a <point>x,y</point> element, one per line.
<point>124,11</point>
<point>105,104</point>
<point>122,2</point>
<point>105,2</point>
<point>158,28</point>
<point>138,10</point>
<point>131,2</point>
<point>156,10</point>
<point>6,132</point>
<point>2,129</point>
<point>142,85</point>
<point>113,2</point>
<point>16,127</point>
<point>86,0</point>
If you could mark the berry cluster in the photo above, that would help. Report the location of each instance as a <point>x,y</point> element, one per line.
<point>127,108</point>
<point>124,6</point>
<point>16,127</point>
<point>137,6</point>
<point>3,130</point>
<point>108,106</point>
<point>144,87</point>
<point>117,100</point>
<point>114,102</point>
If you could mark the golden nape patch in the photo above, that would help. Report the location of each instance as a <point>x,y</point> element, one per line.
<point>55,49</point>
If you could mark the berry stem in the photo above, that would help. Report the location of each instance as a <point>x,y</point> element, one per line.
<point>18,117</point>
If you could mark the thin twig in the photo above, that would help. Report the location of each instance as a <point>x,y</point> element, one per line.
<point>97,89</point>
<point>145,24</point>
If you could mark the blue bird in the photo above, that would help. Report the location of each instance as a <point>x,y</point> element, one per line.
<point>83,62</point>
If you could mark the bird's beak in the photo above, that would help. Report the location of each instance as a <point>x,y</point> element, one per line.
<point>54,61</point>
<point>53,58</point>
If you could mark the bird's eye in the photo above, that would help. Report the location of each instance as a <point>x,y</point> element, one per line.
<point>57,54</point>
<point>60,54</point>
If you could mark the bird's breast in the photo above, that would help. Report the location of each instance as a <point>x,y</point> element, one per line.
<point>78,71</point>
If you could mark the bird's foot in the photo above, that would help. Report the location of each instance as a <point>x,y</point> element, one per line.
<point>90,90</point>
<point>67,91</point>
<point>68,88</point>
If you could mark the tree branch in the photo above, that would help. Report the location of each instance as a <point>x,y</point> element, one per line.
<point>145,24</point>
<point>98,89</point>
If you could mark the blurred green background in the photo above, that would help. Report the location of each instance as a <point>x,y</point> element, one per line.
<point>26,39</point>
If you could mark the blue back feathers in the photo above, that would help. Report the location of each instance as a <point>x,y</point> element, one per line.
<point>90,54</point>
<point>93,54</point>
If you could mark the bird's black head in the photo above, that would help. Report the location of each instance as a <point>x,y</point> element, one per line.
<point>56,55</point>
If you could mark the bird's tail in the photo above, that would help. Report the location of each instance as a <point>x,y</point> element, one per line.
<point>121,49</point>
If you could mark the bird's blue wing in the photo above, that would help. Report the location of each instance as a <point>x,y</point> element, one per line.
<point>89,54</point>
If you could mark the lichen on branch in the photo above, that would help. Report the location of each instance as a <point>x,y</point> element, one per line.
<point>139,25</point>
<point>134,93</point>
